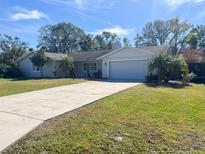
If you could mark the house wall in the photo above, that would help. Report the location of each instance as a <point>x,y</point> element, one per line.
<point>59,70</point>
<point>79,70</point>
<point>48,69</point>
<point>123,54</point>
<point>25,66</point>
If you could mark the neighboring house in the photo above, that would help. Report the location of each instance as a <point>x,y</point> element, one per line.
<point>125,63</point>
<point>194,55</point>
<point>196,61</point>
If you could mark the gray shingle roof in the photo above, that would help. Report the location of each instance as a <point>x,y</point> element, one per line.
<point>24,56</point>
<point>77,56</point>
<point>158,49</point>
<point>55,56</point>
<point>87,56</point>
<point>90,56</point>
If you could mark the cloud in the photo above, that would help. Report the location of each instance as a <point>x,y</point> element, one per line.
<point>23,14</point>
<point>84,4</point>
<point>79,3</point>
<point>116,29</point>
<point>177,3</point>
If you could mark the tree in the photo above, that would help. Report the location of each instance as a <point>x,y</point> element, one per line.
<point>87,44</point>
<point>39,59</point>
<point>105,40</point>
<point>126,42</point>
<point>179,33</point>
<point>171,32</point>
<point>187,77</point>
<point>140,41</point>
<point>155,33</point>
<point>192,39</point>
<point>3,69</point>
<point>67,64</point>
<point>11,48</point>
<point>201,35</point>
<point>196,37</point>
<point>66,37</point>
<point>167,66</point>
<point>109,39</point>
<point>61,38</point>
<point>99,43</point>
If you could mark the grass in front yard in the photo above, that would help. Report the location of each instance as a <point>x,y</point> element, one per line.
<point>142,119</point>
<point>14,86</point>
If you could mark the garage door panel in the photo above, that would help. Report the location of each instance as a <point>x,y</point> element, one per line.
<point>132,70</point>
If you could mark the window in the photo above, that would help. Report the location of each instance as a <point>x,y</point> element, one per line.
<point>35,68</point>
<point>90,67</point>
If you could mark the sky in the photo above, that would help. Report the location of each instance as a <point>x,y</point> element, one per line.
<point>24,18</point>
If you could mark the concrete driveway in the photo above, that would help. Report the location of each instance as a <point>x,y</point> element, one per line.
<point>21,113</point>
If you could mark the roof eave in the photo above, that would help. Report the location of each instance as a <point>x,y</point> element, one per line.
<point>110,53</point>
<point>81,61</point>
<point>23,57</point>
<point>145,51</point>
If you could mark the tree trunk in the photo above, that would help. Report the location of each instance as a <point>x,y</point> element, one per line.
<point>67,74</point>
<point>159,75</point>
<point>72,74</point>
<point>41,72</point>
<point>166,80</point>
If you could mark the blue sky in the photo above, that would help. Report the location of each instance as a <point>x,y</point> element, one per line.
<point>23,18</point>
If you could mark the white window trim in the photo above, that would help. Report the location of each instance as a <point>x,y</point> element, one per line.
<point>33,70</point>
<point>90,63</point>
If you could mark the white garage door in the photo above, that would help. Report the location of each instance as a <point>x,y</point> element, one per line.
<point>128,70</point>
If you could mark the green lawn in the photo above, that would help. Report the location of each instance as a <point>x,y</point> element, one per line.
<point>14,86</point>
<point>142,119</point>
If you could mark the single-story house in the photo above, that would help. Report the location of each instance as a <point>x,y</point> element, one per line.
<point>127,63</point>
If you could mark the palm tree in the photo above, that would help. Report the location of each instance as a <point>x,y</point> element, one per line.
<point>67,64</point>
<point>157,63</point>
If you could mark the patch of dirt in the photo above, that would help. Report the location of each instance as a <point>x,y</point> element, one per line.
<point>193,140</point>
<point>198,142</point>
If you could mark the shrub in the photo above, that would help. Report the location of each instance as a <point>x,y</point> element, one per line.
<point>187,78</point>
<point>151,77</point>
<point>3,69</point>
<point>168,66</point>
<point>98,74</point>
<point>10,71</point>
<point>13,72</point>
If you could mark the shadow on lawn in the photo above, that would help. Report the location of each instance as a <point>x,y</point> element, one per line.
<point>175,85</point>
<point>19,79</point>
<point>25,79</point>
